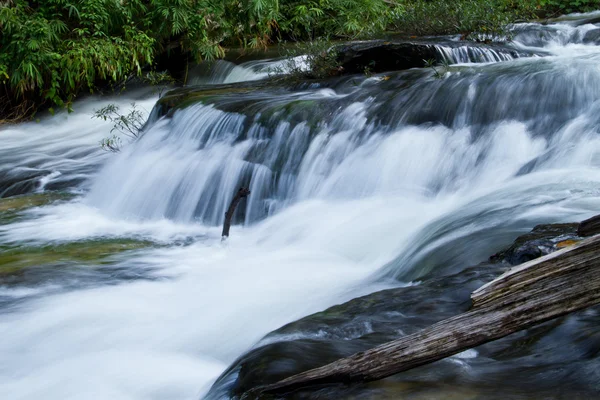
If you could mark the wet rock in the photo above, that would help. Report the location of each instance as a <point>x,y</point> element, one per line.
<point>20,181</point>
<point>93,252</point>
<point>381,56</point>
<point>17,203</point>
<point>592,36</point>
<point>184,97</point>
<point>589,227</point>
<point>542,240</point>
<point>532,362</point>
<point>354,326</point>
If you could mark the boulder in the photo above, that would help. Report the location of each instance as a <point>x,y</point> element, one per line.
<point>380,56</point>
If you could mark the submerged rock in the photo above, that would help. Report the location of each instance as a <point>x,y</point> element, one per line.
<point>14,259</point>
<point>537,361</point>
<point>592,36</point>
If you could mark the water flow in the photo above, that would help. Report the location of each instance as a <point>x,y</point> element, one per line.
<point>223,72</point>
<point>353,184</point>
<point>58,152</point>
<point>471,54</point>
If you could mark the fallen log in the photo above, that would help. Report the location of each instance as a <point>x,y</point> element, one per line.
<point>241,193</point>
<point>531,293</point>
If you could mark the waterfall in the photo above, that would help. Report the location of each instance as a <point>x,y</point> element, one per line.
<point>410,133</point>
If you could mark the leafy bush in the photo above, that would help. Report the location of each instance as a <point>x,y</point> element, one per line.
<point>129,125</point>
<point>475,19</point>
<point>568,6</point>
<point>55,49</point>
<point>471,18</point>
<point>52,50</point>
<point>309,20</point>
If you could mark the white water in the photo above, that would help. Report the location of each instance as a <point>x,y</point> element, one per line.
<point>220,72</point>
<point>351,197</point>
<point>62,148</point>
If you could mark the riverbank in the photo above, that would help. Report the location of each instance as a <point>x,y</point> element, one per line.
<point>54,53</point>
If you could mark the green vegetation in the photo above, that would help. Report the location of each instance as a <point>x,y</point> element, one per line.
<point>128,125</point>
<point>93,252</point>
<point>11,208</point>
<point>467,17</point>
<point>53,50</point>
<point>18,203</point>
<point>558,7</point>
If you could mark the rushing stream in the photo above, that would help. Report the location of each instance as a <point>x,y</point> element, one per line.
<point>114,281</point>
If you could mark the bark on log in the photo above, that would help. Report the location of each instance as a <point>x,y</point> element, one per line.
<point>589,227</point>
<point>243,192</point>
<point>537,291</point>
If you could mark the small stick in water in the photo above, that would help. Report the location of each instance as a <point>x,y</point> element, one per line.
<point>243,192</point>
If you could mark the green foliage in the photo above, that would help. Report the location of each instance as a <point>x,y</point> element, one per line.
<point>53,50</point>
<point>309,20</point>
<point>478,19</point>
<point>474,19</point>
<point>568,6</point>
<point>439,72</point>
<point>129,125</point>
<point>319,60</point>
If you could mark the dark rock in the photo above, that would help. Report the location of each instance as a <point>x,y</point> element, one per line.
<point>380,56</point>
<point>542,240</point>
<point>517,366</point>
<point>592,36</point>
<point>354,326</point>
<point>589,227</point>
<point>20,181</point>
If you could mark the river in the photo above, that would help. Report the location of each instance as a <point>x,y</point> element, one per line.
<point>117,283</point>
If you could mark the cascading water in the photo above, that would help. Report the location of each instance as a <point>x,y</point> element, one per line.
<point>357,183</point>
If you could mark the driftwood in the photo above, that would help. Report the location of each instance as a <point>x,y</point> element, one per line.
<point>537,291</point>
<point>243,192</point>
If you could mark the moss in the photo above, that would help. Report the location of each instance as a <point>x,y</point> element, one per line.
<point>14,259</point>
<point>181,98</point>
<point>18,203</point>
<point>11,207</point>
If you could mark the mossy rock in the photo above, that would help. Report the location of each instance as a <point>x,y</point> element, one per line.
<point>95,252</point>
<point>12,207</point>
<point>17,203</point>
<point>181,98</point>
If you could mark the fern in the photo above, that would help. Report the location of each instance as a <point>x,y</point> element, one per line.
<point>53,50</point>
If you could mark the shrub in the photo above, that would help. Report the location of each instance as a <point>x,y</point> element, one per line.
<point>471,18</point>
<point>128,125</point>
<point>556,7</point>
<point>52,50</point>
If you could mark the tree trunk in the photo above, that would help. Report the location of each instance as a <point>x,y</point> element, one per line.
<point>531,293</point>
